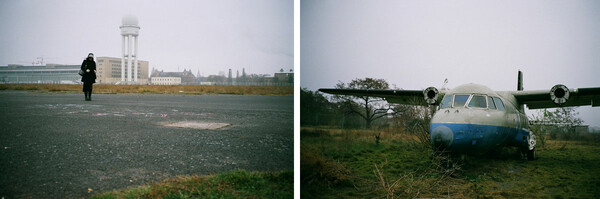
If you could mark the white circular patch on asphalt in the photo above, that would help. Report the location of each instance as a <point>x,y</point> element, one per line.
<point>197,125</point>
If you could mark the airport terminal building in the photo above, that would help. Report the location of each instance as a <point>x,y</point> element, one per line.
<point>108,72</point>
<point>48,74</point>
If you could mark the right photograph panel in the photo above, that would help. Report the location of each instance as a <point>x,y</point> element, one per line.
<point>449,99</point>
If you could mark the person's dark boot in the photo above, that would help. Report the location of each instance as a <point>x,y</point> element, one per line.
<point>87,96</point>
<point>90,96</point>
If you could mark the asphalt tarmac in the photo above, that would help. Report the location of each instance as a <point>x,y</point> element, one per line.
<point>60,146</point>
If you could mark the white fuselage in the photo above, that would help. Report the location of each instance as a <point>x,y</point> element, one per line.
<point>474,119</point>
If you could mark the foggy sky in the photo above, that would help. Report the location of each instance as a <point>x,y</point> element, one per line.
<point>211,36</point>
<point>417,44</point>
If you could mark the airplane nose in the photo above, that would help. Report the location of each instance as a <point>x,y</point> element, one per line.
<point>442,136</point>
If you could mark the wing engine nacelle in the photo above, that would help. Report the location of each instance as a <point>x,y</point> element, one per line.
<point>559,94</point>
<point>431,95</point>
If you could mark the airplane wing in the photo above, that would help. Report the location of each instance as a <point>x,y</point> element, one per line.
<point>554,98</point>
<point>408,97</point>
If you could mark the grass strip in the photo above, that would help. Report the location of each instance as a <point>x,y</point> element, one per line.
<point>349,164</point>
<point>156,89</point>
<point>232,184</point>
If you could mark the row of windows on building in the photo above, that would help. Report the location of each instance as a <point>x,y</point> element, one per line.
<point>116,75</point>
<point>110,61</point>
<point>166,78</point>
<point>118,66</point>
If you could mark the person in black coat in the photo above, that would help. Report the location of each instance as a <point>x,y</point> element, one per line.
<point>89,77</point>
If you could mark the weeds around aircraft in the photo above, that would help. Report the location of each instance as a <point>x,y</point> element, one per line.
<point>473,119</point>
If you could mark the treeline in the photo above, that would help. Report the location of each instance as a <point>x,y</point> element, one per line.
<point>317,110</point>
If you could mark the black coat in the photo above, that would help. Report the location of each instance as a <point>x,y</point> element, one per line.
<point>88,77</point>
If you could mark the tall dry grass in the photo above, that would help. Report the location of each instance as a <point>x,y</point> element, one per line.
<point>428,181</point>
<point>321,171</point>
<point>386,134</point>
<point>158,89</point>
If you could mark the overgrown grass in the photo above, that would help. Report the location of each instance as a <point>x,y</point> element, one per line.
<point>160,89</point>
<point>233,184</point>
<point>335,165</point>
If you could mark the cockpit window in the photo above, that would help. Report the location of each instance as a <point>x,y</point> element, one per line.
<point>460,100</point>
<point>478,101</point>
<point>446,102</point>
<point>491,104</point>
<point>499,103</point>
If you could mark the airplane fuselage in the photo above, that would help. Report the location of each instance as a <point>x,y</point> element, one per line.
<point>474,119</point>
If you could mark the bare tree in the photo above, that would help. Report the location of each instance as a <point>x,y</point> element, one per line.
<point>367,107</point>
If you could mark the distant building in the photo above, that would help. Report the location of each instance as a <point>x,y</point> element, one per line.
<point>283,77</point>
<point>48,74</point>
<point>172,78</point>
<point>280,78</point>
<point>109,70</point>
<point>165,80</point>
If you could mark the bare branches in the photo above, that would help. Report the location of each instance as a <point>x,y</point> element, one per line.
<point>373,108</point>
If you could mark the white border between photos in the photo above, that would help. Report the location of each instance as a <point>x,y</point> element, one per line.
<point>297,98</point>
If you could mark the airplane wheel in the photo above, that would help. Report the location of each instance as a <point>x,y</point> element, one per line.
<point>530,149</point>
<point>531,154</point>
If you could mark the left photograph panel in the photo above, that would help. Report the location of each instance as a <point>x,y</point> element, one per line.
<point>115,99</point>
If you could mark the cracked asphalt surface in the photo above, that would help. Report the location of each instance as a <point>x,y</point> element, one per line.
<point>59,146</point>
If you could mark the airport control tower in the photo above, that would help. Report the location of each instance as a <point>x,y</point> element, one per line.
<point>129,31</point>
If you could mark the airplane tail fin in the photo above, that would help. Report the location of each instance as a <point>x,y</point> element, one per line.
<point>520,81</point>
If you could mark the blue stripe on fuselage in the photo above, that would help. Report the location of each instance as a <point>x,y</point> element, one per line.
<point>479,139</point>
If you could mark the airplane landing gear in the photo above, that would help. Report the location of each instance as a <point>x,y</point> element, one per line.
<point>531,154</point>
<point>529,150</point>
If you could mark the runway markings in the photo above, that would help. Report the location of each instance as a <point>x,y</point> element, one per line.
<point>100,110</point>
<point>197,125</point>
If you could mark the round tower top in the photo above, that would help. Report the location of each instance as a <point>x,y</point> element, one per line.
<point>130,20</point>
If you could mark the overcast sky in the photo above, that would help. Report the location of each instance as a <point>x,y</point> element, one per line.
<point>209,36</point>
<point>417,44</point>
